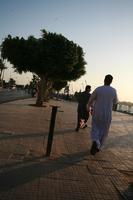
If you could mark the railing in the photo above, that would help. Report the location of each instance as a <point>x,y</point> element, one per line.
<point>125,107</point>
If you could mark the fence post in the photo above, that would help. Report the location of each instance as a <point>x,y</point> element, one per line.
<point>51,130</point>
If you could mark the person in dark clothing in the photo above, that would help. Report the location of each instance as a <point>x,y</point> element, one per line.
<point>82,112</point>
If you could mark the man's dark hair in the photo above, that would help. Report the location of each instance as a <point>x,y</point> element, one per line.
<point>108,79</point>
<point>88,87</point>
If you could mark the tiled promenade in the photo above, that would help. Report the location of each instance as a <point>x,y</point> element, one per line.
<point>70,173</point>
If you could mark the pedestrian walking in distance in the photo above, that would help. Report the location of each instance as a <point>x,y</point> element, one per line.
<point>82,112</point>
<point>103,99</point>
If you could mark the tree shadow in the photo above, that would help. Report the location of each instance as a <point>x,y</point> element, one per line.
<point>34,105</point>
<point>29,171</point>
<point>4,135</point>
<point>128,194</point>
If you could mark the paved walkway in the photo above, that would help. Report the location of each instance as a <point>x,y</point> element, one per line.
<point>70,173</point>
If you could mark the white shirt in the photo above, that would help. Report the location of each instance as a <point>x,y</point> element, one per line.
<point>103,98</point>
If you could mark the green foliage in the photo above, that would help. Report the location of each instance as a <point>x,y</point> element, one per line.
<point>21,53</point>
<point>58,85</point>
<point>52,56</point>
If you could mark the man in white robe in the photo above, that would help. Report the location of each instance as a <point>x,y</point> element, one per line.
<point>103,99</point>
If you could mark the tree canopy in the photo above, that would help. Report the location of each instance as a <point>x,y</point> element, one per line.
<point>52,56</point>
<point>58,85</point>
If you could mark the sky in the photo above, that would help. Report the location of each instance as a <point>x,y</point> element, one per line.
<point>103,28</point>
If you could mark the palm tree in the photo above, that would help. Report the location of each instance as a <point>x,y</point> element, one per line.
<point>2,68</point>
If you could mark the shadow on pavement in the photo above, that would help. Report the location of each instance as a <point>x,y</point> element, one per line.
<point>128,194</point>
<point>29,171</point>
<point>5,135</point>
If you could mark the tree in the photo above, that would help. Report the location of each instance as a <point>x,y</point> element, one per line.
<point>34,81</point>
<point>12,82</point>
<point>58,85</point>
<point>2,68</point>
<point>52,57</point>
<point>66,89</point>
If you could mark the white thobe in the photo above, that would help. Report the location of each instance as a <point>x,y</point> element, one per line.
<point>103,98</point>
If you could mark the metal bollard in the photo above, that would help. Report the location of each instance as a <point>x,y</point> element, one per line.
<point>51,130</point>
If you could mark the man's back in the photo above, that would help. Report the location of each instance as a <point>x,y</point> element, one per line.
<point>83,98</point>
<point>105,97</point>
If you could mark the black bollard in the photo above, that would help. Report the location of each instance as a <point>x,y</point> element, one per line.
<point>51,130</point>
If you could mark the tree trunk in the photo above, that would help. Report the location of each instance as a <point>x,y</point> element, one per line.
<point>41,91</point>
<point>47,90</point>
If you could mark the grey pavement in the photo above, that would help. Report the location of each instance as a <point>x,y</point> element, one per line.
<point>70,172</point>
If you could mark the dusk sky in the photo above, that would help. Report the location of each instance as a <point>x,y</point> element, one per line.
<point>103,28</point>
